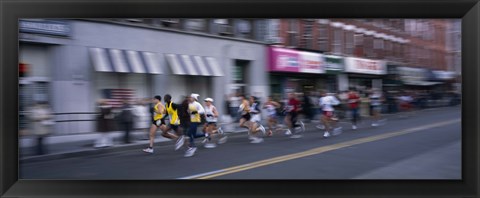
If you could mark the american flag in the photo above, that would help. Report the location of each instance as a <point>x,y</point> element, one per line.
<point>116,96</point>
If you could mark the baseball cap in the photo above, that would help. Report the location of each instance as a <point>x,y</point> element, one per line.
<point>209,99</point>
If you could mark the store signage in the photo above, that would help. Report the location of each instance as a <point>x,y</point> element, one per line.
<point>57,28</point>
<point>365,66</point>
<point>287,60</point>
<point>333,64</point>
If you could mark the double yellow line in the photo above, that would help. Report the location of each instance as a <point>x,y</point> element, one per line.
<point>315,151</point>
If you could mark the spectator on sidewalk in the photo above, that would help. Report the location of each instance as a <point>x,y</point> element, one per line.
<point>105,122</point>
<point>142,115</point>
<point>42,118</point>
<point>127,119</point>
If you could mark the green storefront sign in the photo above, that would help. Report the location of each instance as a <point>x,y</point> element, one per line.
<point>334,64</point>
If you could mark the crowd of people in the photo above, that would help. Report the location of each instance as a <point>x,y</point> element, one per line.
<point>180,122</point>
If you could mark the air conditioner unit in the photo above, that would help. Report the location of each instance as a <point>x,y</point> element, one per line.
<point>225,29</point>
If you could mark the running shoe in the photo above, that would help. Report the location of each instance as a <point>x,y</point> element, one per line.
<point>326,134</point>
<point>223,140</point>
<point>257,140</point>
<point>288,132</point>
<point>180,142</point>
<point>251,137</point>
<point>190,152</point>
<point>210,145</point>
<point>302,126</point>
<point>148,150</point>
<point>262,129</point>
<point>220,131</point>
<point>320,126</point>
<point>374,124</point>
<point>354,127</point>
<point>205,140</point>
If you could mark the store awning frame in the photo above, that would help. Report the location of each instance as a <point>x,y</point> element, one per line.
<point>182,64</point>
<point>125,61</point>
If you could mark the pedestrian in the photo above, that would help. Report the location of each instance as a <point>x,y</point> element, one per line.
<point>271,106</point>
<point>353,103</point>
<point>376,99</point>
<point>212,130</point>
<point>327,102</point>
<point>127,119</point>
<point>291,119</point>
<point>142,116</point>
<point>42,117</point>
<point>105,124</point>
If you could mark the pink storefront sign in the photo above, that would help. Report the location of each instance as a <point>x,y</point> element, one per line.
<point>283,60</point>
<point>288,60</point>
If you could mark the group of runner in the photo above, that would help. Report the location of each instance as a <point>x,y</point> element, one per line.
<point>176,120</point>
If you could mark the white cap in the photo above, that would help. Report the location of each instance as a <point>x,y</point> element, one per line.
<point>195,96</point>
<point>209,99</point>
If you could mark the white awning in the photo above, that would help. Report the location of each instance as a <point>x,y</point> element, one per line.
<point>193,65</point>
<point>125,61</point>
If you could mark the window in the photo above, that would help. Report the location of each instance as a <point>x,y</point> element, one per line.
<point>221,21</point>
<point>358,39</point>
<point>307,33</point>
<point>292,32</point>
<point>378,43</point>
<point>337,41</point>
<point>323,37</point>
<point>195,25</point>
<point>349,43</point>
<point>388,49</point>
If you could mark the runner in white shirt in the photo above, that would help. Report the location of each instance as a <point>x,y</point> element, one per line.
<point>326,103</point>
<point>211,128</point>
<point>376,99</point>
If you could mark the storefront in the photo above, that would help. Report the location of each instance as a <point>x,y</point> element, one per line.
<point>336,79</point>
<point>295,71</point>
<point>364,74</point>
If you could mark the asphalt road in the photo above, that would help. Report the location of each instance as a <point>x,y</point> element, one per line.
<point>424,146</point>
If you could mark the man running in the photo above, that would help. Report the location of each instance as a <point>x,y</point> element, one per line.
<point>292,109</point>
<point>353,103</point>
<point>326,103</point>
<point>158,122</point>
<point>376,103</point>
<point>256,119</point>
<point>271,106</point>
<point>172,113</point>
<point>211,130</point>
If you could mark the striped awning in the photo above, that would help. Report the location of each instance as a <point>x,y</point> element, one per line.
<point>193,65</point>
<point>125,61</point>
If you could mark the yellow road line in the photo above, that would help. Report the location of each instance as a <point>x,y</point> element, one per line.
<point>318,150</point>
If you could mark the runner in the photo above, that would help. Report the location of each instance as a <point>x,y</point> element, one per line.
<point>353,102</point>
<point>211,129</point>
<point>292,109</point>
<point>376,99</point>
<point>172,112</point>
<point>246,116</point>
<point>326,103</point>
<point>256,119</point>
<point>158,122</point>
<point>184,116</point>
<point>196,112</point>
<point>271,107</point>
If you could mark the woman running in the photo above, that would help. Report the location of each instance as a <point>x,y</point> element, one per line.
<point>271,106</point>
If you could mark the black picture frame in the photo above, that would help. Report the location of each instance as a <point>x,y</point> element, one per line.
<point>11,11</point>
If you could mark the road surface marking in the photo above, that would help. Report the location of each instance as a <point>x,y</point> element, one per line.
<point>314,151</point>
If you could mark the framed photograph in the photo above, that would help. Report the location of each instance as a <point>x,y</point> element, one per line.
<point>239,99</point>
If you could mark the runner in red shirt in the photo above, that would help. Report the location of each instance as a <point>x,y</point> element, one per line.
<point>353,103</point>
<point>292,109</point>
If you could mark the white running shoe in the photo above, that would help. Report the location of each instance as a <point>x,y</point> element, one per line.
<point>148,150</point>
<point>296,136</point>
<point>354,127</point>
<point>220,131</point>
<point>205,140</point>
<point>190,152</point>
<point>262,129</point>
<point>180,142</point>
<point>302,126</point>
<point>326,134</point>
<point>210,145</point>
<point>257,140</point>
<point>288,132</point>
<point>223,140</point>
<point>251,137</point>
<point>320,126</point>
<point>374,124</point>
